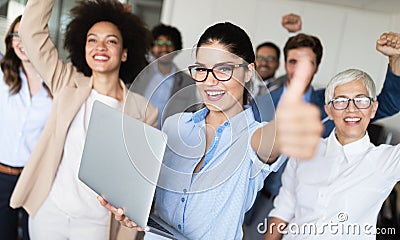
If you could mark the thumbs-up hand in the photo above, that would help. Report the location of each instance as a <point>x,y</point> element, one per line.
<point>298,124</point>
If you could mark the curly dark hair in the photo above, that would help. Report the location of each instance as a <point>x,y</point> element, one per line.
<point>172,33</point>
<point>10,63</point>
<point>135,35</point>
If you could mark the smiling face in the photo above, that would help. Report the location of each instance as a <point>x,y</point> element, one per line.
<point>267,62</point>
<point>162,46</point>
<point>17,45</point>
<point>351,123</point>
<point>104,48</point>
<point>222,97</point>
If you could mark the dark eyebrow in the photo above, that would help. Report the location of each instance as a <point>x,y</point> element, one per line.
<point>217,64</point>
<point>110,35</point>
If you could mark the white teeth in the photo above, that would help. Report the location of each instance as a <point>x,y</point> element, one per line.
<point>215,93</point>
<point>100,57</point>
<point>352,119</point>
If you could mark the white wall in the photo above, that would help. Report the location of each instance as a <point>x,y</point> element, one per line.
<point>347,34</point>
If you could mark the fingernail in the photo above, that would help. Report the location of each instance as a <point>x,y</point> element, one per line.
<point>120,211</point>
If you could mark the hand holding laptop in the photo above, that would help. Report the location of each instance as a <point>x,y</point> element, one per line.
<point>119,215</point>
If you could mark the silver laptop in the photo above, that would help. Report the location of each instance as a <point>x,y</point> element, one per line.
<point>121,161</point>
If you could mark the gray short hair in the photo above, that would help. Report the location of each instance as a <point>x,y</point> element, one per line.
<point>347,76</point>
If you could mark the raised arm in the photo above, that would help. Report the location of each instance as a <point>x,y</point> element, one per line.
<point>389,45</point>
<point>297,128</point>
<point>34,32</point>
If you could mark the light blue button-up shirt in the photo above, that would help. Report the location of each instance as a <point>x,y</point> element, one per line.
<point>22,119</point>
<point>209,204</point>
<point>159,89</point>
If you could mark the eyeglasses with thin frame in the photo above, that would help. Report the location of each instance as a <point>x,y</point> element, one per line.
<point>341,103</point>
<point>221,72</point>
<point>14,35</point>
<point>266,58</point>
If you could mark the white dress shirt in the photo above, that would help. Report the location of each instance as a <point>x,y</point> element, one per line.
<point>22,119</point>
<point>340,191</point>
<point>68,193</point>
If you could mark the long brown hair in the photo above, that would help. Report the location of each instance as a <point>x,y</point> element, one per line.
<point>10,63</point>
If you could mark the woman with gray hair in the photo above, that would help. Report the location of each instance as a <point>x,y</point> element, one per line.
<point>339,192</point>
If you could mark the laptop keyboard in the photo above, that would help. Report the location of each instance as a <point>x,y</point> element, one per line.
<point>154,224</point>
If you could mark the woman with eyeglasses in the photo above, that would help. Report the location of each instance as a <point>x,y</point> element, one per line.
<point>340,191</point>
<point>107,47</point>
<point>25,104</point>
<point>217,158</point>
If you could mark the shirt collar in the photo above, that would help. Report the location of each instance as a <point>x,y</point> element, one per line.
<point>240,121</point>
<point>353,151</point>
<point>269,80</point>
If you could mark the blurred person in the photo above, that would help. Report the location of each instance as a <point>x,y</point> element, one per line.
<point>166,86</point>
<point>107,47</point>
<point>25,104</point>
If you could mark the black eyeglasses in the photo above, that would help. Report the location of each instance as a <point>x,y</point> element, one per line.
<point>14,35</point>
<point>266,58</point>
<point>221,71</point>
<point>341,103</point>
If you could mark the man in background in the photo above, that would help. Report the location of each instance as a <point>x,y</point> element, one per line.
<point>166,86</point>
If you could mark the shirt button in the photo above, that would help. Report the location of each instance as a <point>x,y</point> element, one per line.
<point>219,130</point>
<point>185,191</point>
<point>226,124</point>
<point>183,199</point>
<point>179,227</point>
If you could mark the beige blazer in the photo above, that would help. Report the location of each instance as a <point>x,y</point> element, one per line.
<point>70,90</point>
